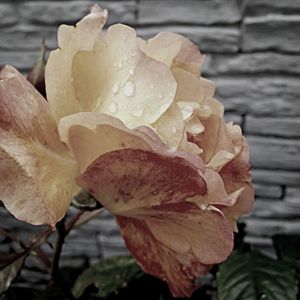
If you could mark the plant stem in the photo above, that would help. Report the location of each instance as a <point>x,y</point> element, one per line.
<point>57,278</point>
<point>61,235</point>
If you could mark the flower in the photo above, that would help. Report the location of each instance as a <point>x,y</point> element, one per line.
<point>134,124</point>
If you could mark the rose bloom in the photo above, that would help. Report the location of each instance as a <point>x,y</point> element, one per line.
<point>133,123</point>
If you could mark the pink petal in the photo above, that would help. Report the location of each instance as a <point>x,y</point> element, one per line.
<point>236,174</point>
<point>36,173</point>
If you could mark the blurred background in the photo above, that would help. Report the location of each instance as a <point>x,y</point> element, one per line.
<point>252,53</point>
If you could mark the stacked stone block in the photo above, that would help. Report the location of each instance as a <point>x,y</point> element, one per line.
<point>252,50</point>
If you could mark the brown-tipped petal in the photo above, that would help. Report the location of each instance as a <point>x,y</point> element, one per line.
<point>58,75</point>
<point>216,193</point>
<point>174,50</point>
<point>236,174</point>
<point>148,193</point>
<point>177,243</point>
<point>36,173</point>
<point>127,179</point>
<point>214,138</point>
<point>89,135</point>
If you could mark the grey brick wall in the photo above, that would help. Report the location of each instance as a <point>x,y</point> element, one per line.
<point>253,55</point>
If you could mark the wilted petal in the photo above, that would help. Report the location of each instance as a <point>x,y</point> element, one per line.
<point>37,175</point>
<point>59,80</point>
<point>236,174</point>
<point>177,243</point>
<point>135,178</point>
<point>148,192</point>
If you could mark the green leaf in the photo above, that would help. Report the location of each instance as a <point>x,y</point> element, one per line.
<point>108,276</point>
<point>37,74</point>
<point>288,249</point>
<point>10,267</point>
<point>253,276</point>
<point>49,294</point>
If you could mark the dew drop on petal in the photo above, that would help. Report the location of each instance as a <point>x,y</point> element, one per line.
<point>137,111</point>
<point>187,112</point>
<point>131,71</point>
<point>120,65</point>
<point>196,129</point>
<point>129,89</point>
<point>160,95</point>
<point>115,88</point>
<point>205,111</point>
<point>113,108</point>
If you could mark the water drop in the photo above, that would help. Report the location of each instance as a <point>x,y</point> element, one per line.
<point>120,65</point>
<point>174,129</point>
<point>205,111</point>
<point>128,89</point>
<point>196,129</point>
<point>115,88</point>
<point>160,95</point>
<point>131,71</point>
<point>113,108</point>
<point>137,111</point>
<point>187,112</point>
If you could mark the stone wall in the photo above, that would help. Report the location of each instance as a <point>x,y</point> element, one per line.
<point>252,52</point>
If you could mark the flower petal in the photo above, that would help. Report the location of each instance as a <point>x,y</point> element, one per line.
<point>37,175</point>
<point>156,259</point>
<point>149,193</point>
<point>174,50</point>
<point>120,80</point>
<point>191,88</point>
<point>177,242</point>
<point>58,75</point>
<point>127,179</point>
<point>90,135</point>
<point>236,174</point>
<point>170,126</point>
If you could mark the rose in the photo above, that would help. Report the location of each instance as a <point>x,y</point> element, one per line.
<point>134,124</point>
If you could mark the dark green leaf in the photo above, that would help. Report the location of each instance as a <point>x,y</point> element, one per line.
<point>288,249</point>
<point>108,276</point>
<point>37,75</point>
<point>85,201</point>
<point>10,268</point>
<point>253,276</point>
<point>49,294</point>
